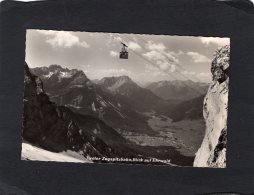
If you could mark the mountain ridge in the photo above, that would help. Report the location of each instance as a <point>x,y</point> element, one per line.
<point>91,99</point>
<point>143,99</point>
<point>61,77</point>
<point>57,128</point>
<point>176,89</point>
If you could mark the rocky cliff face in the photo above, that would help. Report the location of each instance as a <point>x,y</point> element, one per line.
<point>212,152</point>
<point>44,123</point>
<point>57,128</point>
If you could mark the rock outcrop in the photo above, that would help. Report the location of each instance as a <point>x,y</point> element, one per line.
<point>212,152</point>
<point>57,128</point>
<point>43,123</point>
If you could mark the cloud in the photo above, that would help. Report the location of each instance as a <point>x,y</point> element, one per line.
<point>115,72</point>
<point>215,40</point>
<point>154,71</point>
<point>205,75</point>
<point>87,66</point>
<point>163,61</point>
<point>154,55</point>
<point>202,76</point>
<point>114,40</point>
<point>134,46</point>
<point>160,61</point>
<point>191,73</point>
<point>99,73</point>
<point>161,49</point>
<point>198,58</point>
<point>63,39</point>
<point>155,46</point>
<point>113,54</point>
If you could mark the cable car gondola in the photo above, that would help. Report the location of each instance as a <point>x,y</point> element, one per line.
<point>124,52</point>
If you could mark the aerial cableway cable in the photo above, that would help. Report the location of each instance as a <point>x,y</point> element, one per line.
<point>198,92</point>
<point>148,61</point>
<point>176,64</point>
<point>170,74</point>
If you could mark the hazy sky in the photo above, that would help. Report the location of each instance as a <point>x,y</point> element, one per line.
<point>151,57</point>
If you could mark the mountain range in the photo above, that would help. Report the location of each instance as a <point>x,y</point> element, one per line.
<point>119,101</point>
<point>178,90</point>
<point>116,101</point>
<point>139,98</point>
<point>73,89</point>
<point>57,128</point>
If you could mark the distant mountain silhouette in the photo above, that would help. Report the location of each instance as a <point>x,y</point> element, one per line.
<point>141,99</point>
<point>178,90</point>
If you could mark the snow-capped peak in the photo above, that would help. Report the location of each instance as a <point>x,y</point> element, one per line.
<point>113,83</point>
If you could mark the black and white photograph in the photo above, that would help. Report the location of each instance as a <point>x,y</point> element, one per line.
<point>100,97</point>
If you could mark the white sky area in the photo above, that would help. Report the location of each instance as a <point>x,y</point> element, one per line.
<point>151,57</point>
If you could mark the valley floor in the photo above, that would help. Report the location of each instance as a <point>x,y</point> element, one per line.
<point>185,136</point>
<point>176,141</point>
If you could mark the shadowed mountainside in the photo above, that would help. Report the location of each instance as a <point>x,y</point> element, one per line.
<point>190,109</point>
<point>118,101</point>
<point>57,128</point>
